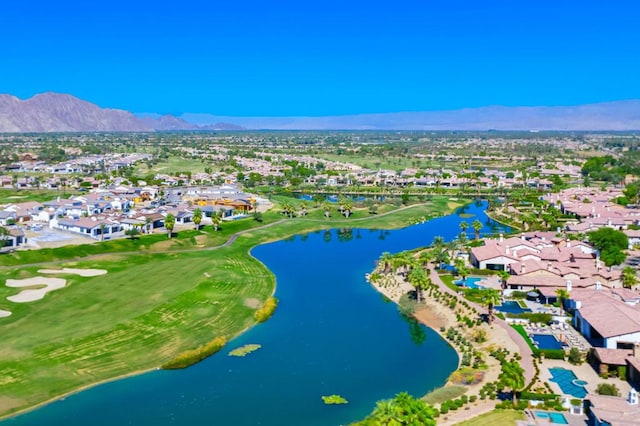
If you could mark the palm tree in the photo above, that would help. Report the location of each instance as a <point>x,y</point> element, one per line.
<point>491,299</point>
<point>197,218</point>
<point>438,241</point>
<point>347,206</point>
<point>147,224</point>
<point>418,279</point>
<point>318,198</point>
<point>386,412</point>
<point>216,218</point>
<point>477,226</point>
<point>425,257</point>
<point>512,376</point>
<point>102,228</point>
<point>562,295</point>
<point>169,223</point>
<point>504,277</point>
<point>629,278</point>
<point>464,226</point>
<point>325,207</point>
<point>385,259</point>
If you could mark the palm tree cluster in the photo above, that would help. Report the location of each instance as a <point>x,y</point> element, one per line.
<point>288,209</point>
<point>403,409</point>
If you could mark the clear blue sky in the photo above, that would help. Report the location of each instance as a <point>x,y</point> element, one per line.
<point>275,58</point>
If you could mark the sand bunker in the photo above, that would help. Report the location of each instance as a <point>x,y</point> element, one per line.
<point>4,314</point>
<point>31,295</point>
<point>81,272</point>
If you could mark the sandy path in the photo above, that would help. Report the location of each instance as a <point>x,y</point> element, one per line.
<point>520,347</point>
<point>31,295</point>
<point>81,272</point>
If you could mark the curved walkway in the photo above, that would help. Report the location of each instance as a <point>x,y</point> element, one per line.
<point>525,352</point>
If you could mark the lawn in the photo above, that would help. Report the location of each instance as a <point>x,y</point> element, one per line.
<point>174,165</point>
<point>159,298</point>
<point>443,394</point>
<point>495,417</point>
<point>8,196</point>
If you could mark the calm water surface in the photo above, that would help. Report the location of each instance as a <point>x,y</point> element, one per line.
<point>332,334</point>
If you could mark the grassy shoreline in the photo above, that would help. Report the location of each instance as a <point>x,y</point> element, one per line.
<point>170,333</point>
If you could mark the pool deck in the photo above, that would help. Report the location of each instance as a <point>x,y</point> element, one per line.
<point>582,372</point>
<point>572,419</point>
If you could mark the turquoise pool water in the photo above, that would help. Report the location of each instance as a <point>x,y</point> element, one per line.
<point>471,282</point>
<point>331,334</point>
<point>512,307</point>
<point>553,417</point>
<point>547,341</point>
<point>566,380</point>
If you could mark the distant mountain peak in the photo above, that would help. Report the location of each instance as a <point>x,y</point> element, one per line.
<point>61,112</point>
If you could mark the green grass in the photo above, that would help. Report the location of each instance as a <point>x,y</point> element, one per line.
<point>150,307</point>
<point>494,418</point>
<point>10,196</point>
<point>521,331</point>
<point>173,165</point>
<point>443,394</point>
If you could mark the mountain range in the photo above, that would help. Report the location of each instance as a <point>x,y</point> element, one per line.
<point>55,112</point>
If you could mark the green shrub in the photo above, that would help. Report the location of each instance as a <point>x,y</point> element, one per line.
<point>622,372</point>
<point>575,357</point>
<point>539,396</point>
<point>607,389</point>
<point>552,353</point>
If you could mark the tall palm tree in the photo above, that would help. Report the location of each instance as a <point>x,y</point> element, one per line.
<point>491,299</point>
<point>347,206</point>
<point>385,259</point>
<point>418,279</point>
<point>477,226</point>
<point>438,241</point>
<point>512,376</point>
<point>464,225</point>
<point>426,256</point>
<point>169,223</point>
<point>197,218</point>
<point>386,412</point>
<point>629,278</point>
<point>102,228</point>
<point>216,218</point>
<point>326,208</point>
<point>562,295</point>
<point>504,277</point>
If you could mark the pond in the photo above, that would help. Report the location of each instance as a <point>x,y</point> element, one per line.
<point>331,334</point>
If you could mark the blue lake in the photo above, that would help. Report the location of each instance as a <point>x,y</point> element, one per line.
<point>331,334</point>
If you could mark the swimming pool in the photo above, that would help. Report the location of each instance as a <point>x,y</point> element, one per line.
<point>566,379</point>
<point>553,417</point>
<point>547,341</point>
<point>512,307</point>
<point>471,282</point>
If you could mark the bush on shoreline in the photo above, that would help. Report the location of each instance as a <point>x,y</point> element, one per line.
<point>193,356</point>
<point>265,312</point>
